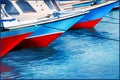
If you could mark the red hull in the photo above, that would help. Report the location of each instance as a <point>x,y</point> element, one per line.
<point>87,24</point>
<point>40,41</point>
<point>9,42</point>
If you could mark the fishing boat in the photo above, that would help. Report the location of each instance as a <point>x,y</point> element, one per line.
<point>95,15</point>
<point>12,32</point>
<point>44,15</point>
<point>59,25</point>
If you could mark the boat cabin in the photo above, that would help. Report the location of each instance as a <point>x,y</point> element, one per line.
<point>26,11</point>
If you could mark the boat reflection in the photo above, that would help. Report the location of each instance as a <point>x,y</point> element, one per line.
<point>4,68</point>
<point>6,72</point>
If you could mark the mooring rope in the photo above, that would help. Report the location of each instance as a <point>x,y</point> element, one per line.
<point>112,18</point>
<point>88,34</point>
<point>110,22</point>
<point>96,36</point>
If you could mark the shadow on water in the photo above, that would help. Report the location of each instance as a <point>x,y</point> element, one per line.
<point>94,33</point>
<point>38,58</point>
<point>31,54</point>
<point>18,60</point>
<point>43,53</point>
<point>7,72</point>
<point>91,31</point>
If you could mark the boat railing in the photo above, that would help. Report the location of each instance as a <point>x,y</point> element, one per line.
<point>84,7</point>
<point>4,11</point>
<point>69,4</point>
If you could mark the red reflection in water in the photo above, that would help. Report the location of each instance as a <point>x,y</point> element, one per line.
<point>4,69</point>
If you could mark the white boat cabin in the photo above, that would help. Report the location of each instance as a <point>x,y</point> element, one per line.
<point>25,11</point>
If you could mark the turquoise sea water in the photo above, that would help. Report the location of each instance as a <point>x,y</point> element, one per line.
<point>77,54</point>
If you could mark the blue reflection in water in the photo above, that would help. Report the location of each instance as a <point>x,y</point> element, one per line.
<point>77,54</point>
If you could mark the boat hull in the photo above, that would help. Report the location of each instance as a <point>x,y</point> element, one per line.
<point>93,17</point>
<point>39,41</point>
<point>87,24</point>
<point>9,39</point>
<point>47,33</point>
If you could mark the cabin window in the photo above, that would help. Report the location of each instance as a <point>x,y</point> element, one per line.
<point>25,6</point>
<point>4,1</point>
<point>10,9</point>
<point>2,15</point>
<point>49,4</point>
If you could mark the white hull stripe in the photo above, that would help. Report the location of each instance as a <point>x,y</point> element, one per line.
<point>44,34</point>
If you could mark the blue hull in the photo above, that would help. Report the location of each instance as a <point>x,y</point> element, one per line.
<point>94,16</point>
<point>47,33</point>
